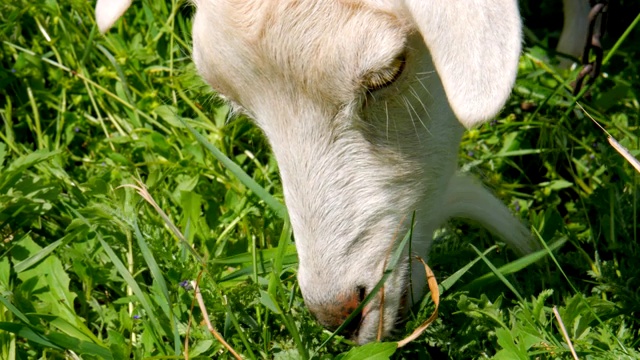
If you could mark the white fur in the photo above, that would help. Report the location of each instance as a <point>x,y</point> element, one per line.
<point>356,164</point>
<point>108,11</point>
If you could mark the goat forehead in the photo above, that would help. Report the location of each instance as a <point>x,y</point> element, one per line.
<point>255,18</point>
<point>312,45</point>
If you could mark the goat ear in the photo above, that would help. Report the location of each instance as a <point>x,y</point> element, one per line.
<point>475,46</point>
<point>109,11</point>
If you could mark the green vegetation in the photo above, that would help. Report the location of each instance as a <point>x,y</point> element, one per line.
<point>92,268</point>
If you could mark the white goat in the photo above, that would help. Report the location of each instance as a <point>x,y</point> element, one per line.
<point>364,103</point>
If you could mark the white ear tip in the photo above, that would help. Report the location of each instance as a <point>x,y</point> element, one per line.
<point>478,112</point>
<point>109,11</point>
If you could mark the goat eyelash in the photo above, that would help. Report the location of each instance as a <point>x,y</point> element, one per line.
<point>387,75</point>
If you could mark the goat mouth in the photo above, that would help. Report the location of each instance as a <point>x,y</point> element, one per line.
<point>352,331</point>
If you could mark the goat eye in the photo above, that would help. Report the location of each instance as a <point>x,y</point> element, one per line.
<point>385,76</point>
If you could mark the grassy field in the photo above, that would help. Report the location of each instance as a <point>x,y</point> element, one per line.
<point>123,180</point>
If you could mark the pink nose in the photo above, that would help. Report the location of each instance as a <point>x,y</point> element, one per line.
<point>332,315</point>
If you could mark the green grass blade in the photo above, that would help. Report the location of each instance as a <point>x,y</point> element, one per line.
<point>274,204</point>
<point>79,346</point>
<point>283,245</point>
<point>451,280</point>
<point>156,273</point>
<point>120,72</point>
<point>156,330</point>
<point>621,39</point>
<point>275,288</point>
<point>28,333</point>
<point>267,254</point>
<point>14,310</point>
<point>498,274</point>
<point>46,251</point>
<point>131,282</point>
<point>515,266</point>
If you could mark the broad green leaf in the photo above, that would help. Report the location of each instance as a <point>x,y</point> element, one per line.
<point>188,184</point>
<point>510,142</point>
<point>509,349</point>
<point>200,347</point>
<point>557,184</point>
<point>168,114</point>
<point>191,204</point>
<point>371,351</point>
<point>51,287</point>
<point>118,345</point>
<point>5,274</point>
<point>291,354</point>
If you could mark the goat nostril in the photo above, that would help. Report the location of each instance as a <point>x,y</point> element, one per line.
<point>362,293</point>
<point>334,314</point>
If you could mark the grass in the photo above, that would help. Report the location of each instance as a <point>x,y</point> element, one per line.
<point>92,269</point>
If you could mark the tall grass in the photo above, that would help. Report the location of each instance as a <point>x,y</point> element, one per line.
<point>123,178</point>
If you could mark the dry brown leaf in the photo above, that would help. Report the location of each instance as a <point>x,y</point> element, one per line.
<point>435,296</point>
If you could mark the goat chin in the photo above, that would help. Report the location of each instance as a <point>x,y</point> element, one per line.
<point>364,104</point>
